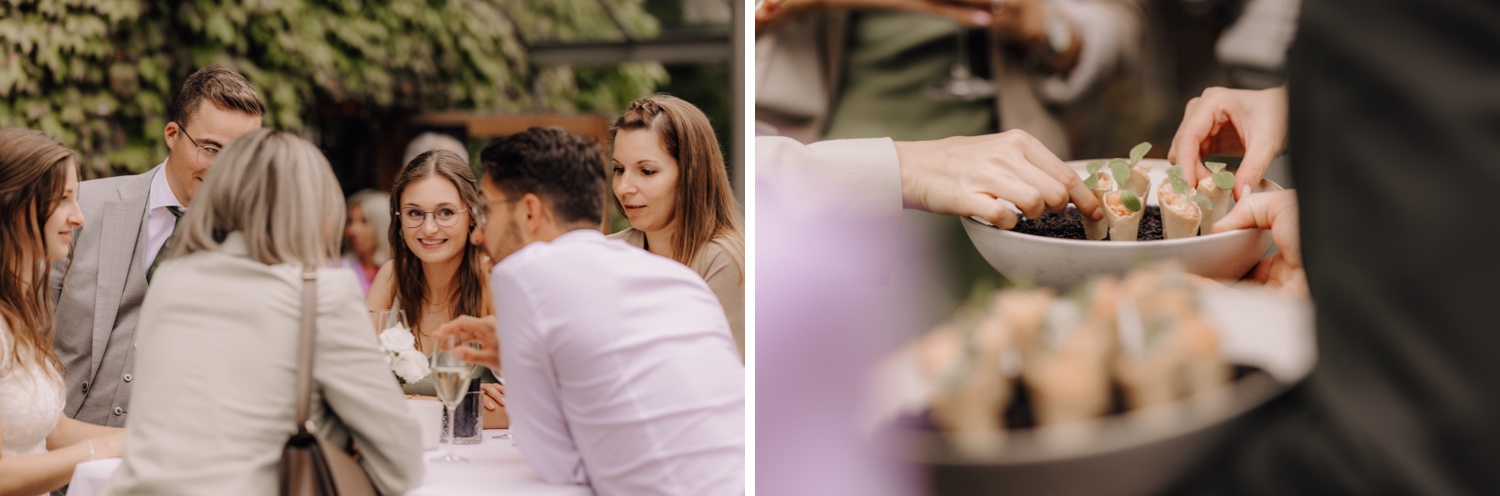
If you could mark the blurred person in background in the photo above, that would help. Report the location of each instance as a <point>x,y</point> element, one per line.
<point>366,246</point>
<point>427,142</point>
<point>39,198</point>
<point>671,182</point>
<point>99,286</point>
<point>220,338</point>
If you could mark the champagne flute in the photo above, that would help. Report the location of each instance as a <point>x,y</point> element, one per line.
<point>386,319</point>
<point>961,84</point>
<point>450,376</point>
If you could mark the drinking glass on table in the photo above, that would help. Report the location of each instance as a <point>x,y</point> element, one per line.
<point>451,377</point>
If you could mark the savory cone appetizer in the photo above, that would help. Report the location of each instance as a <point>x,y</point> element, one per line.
<point>963,361</point>
<point>1067,373</point>
<point>1122,213</point>
<point>1140,178</point>
<point>1169,350</point>
<point>1181,206</point>
<point>1100,184</point>
<point>1216,188</point>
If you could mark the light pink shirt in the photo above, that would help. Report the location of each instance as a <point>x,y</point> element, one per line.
<point>620,369</point>
<point>159,221</point>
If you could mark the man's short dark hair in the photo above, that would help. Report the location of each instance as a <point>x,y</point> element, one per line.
<point>562,168</point>
<point>226,89</point>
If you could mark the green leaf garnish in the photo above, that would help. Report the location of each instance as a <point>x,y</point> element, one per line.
<point>1224,180</point>
<point>1139,152</point>
<point>1120,170</point>
<point>1092,181</point>
<point>1215,166</point>
<point>1203,202</point>
<point>1174,176</point>
<point>1129,199</point>
<point>1095,166</point>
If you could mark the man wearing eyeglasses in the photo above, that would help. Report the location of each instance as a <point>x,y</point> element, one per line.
<point>100,286</point>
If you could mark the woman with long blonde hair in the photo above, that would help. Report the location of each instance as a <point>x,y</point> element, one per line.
<point>39,445</point>
<point>671,182</point>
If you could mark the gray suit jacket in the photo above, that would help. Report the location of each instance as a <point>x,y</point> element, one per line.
<point>98,289</point>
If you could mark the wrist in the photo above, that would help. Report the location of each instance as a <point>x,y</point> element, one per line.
<point>908,156</point>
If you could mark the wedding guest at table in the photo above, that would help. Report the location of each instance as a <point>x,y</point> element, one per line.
<point>670,181</point>
<point>435,274</point>
<point>220,334</point>
<point>100,286</point>
<point>620,364</point>
<point>366,246</point>
<point>39,198</point>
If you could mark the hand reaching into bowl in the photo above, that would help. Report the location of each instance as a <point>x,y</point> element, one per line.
<point>1277,211</point>
<point>967,175</point>
<point>1231,122</point>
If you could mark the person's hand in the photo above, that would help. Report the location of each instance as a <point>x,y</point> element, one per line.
<point>494,396</point>
<point>1277,211</point>
<point>473,330</point>
<point>108,445</point>
<point>969,175</point>
<point>970,13</point>
<point>1249,123</point>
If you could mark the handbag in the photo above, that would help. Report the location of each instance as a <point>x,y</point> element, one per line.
<point>310,465</point>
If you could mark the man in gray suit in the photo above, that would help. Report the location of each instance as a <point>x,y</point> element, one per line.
<point>100,286</point>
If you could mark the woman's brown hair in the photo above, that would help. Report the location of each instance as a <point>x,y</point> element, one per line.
<point>33,176</point>
<point>705,208</point>
<point>469,288</point>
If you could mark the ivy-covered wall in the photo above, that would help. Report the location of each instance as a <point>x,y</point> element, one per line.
<point>98,74</point>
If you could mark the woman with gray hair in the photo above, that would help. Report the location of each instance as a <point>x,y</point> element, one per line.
<point>366,247</point>
<point>219,335</point>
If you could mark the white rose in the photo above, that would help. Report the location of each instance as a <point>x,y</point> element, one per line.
<point>410,366</point>
<point>397,339</point>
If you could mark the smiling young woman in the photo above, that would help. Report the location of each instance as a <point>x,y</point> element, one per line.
<point>435,275</point>
<point>671,182</point>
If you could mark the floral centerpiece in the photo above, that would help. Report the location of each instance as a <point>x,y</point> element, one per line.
<point>399,346</point>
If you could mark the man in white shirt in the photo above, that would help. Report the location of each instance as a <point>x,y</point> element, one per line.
<point>620,369</point>
<point>100,286</point>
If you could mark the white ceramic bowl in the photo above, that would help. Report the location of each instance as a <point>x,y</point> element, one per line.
<point>1062,263</point>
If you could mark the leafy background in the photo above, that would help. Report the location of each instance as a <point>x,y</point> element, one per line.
<point>99,74</point>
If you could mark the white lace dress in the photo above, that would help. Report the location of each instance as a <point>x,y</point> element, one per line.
<point>31,400</point>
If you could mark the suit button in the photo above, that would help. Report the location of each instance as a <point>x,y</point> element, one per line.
<point>119,411</point>
<point>128,377</point>
<point>85,386</point>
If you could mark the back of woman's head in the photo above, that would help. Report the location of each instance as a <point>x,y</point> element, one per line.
<point>279,191</point>
<point>33,175</point>
<point>411,284</point>
<point>705,206</point>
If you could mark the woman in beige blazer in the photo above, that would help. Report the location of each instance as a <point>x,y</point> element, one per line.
<point>218,337</point>
<point>670,181</point>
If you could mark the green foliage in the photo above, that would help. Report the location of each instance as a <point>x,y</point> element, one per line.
<point>1222,178</point>
<point>1139,152</point>
<point>1129,199</point>
<point>99,75</point>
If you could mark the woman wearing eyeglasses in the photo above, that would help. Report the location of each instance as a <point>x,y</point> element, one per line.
<point>434,274</point>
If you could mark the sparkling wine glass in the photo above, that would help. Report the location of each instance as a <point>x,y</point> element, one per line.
<point>961,84</point>
<point>450,376</point>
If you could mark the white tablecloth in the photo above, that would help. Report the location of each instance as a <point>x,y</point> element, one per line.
<point>495,467</point>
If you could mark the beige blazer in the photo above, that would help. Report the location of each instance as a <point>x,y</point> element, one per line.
<point>723,268</point>
<point>214,402</point>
